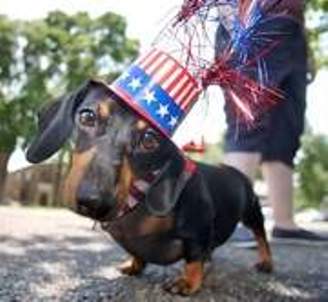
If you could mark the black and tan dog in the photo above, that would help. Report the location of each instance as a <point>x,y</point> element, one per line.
<point>189,208</point>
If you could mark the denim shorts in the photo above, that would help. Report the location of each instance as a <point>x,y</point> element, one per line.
<point>276,133</point>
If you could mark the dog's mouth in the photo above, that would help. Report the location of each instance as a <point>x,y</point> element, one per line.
<point>98,211</point>
<point>82,210</point>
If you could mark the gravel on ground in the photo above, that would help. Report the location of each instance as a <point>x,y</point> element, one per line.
<point>56,255</point>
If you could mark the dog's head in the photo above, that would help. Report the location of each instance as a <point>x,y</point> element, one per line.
<point>112,148</point>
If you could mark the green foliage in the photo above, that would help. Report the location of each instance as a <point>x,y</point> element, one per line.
<point>42,59</point>
<point>313,171</point>
<point>318,5</point>
<point>317,15</point>
<point>8,45</point>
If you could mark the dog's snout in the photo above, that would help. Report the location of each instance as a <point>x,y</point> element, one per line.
<point>88,195</point>
<point>90,202</point>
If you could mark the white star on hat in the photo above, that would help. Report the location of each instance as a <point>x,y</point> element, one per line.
<point>135,83</point>
<point>163,110</point>
<point>125,75</point>
<point>149,97</point>
<point>173,121</point>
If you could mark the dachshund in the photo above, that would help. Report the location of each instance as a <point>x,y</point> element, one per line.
<point>159,205</point>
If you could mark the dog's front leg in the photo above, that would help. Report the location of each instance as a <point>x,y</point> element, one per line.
<point>132,267</point>
<point>190,281</point>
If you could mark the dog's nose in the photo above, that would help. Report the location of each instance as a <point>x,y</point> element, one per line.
<point>88,195</point>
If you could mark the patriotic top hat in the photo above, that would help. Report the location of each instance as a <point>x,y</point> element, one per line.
<point>158,88</point>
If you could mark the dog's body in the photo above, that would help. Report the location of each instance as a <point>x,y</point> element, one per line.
<point>201,222</point>
<point>189,208</point>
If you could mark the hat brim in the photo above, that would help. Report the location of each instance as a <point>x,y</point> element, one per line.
<point>128,100</point>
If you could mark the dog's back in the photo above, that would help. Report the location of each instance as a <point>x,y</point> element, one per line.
<point>232,196</point>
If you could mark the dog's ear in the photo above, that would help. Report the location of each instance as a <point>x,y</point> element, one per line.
<point>167,187</point>
<point>55,125</point>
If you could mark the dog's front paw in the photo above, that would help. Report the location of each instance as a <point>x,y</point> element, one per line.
<point>190,282</point>
<point>182,287</point>
<point>264,267</point>
<point>132,267</point>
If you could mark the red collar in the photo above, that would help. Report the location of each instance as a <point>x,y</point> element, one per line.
<point>190,166</point>
<point>139,188</point>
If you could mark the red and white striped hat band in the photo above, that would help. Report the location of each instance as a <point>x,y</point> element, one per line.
<point>159,88</point>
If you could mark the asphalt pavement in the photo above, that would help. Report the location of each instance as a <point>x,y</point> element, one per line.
<point>56,255</point>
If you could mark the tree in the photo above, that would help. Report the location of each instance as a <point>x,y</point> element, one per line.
<point>313,170</point>
<point>313,166</point>
<point>317,13</point>
<point>7,124</point>
<point>42,59</point>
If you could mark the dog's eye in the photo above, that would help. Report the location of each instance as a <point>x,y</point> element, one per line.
<point>150,140</point>
<point>87,118</point>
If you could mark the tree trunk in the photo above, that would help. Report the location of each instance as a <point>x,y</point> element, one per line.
<point>58,179</point>
<point>4,158</point>
<point>57,183</point>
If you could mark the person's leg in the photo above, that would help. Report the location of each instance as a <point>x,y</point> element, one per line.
<point>279,179</point>
<point>246,162</point>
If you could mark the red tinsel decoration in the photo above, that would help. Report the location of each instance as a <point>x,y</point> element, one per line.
<point>249,98</point>
<point>187,38</point>
<point>189,9</point>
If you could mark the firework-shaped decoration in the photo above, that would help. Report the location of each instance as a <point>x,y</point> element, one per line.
<point>200,8</point>
<point>240,66</point>
<point>163,84</point>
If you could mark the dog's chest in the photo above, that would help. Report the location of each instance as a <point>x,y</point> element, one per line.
<point>148,237</point>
